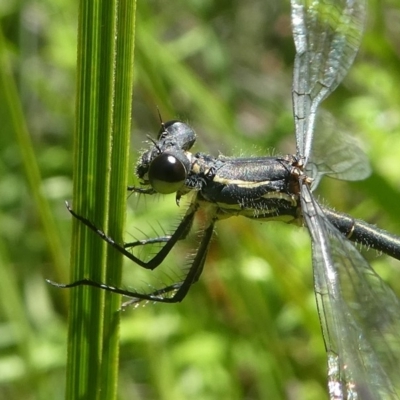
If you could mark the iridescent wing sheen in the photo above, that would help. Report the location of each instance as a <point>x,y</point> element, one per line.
<point>327,36</point>
<point>359,314</point>
<point>335,153</point>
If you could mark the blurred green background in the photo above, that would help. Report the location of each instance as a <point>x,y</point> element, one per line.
<point>249,329</point>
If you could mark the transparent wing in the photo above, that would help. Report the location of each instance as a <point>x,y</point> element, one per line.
<point>359,314</point>
<point>335,152</point>
<point>327,36</point>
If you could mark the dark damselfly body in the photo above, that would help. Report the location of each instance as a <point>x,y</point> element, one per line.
<point>359,313</point>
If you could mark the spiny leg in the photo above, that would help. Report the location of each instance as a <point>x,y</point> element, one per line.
<point>180,288</point>
<point>135,189</point>
<point>180,233</point>
<point>160,239</point>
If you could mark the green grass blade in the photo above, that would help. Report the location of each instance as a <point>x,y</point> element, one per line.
<point>92,158</point>
<point>125,34</point>
<point>12,116</point>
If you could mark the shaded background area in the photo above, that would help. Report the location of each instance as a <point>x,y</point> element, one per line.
<point>249,329</point>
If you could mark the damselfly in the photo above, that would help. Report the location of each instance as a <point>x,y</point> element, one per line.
<point>359,314</point>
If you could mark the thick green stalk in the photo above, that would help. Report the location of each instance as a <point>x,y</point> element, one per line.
<point>100,176</point>
<point>119,176</point>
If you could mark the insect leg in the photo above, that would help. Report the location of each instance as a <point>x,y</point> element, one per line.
<point>181,288</point>
<point>153,263</point>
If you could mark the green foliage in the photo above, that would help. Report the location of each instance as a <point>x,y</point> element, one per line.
<point>249,328</point>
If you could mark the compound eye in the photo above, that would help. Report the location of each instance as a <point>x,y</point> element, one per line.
<point>167,174</point>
